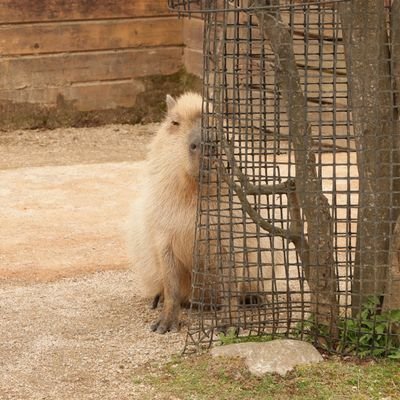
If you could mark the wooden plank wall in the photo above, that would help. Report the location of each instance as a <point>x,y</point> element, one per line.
<point>90,53</point>
<point>193,50</point>
<point>323,76</point>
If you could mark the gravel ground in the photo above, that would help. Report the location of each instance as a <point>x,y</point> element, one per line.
<point>78,339</point>
<point>67,146</point>
<point>68,331</point>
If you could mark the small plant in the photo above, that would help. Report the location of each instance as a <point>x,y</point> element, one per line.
<point>371,333</point>
<point>228,337</point>
<point>310,331</point>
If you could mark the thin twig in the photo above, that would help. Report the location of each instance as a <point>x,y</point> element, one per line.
<point>250,189</point>
<point>241,192</point>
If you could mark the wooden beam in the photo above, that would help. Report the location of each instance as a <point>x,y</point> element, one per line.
<point>12,11</point>
<point>100,35</point>
<point>19,73</point>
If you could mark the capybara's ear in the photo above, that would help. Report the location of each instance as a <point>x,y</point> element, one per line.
<point>171,102</point>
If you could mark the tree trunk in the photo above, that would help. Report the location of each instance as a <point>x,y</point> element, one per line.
<point>320,271</point>
<point>392,298</point>
<point>367,57</point>
<point>395,49</point>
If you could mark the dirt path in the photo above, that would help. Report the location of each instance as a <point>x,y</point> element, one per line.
<point>64,197</point>
<point>60,221</point>
<point>71,326</point>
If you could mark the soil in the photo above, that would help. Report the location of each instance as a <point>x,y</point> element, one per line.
<point>71,326</point>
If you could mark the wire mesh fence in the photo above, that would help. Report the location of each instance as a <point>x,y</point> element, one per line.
<point>297,231</point>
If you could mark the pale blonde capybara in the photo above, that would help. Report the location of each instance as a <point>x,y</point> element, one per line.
<point>162,225</point>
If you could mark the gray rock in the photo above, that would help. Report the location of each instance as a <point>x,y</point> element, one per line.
<point>279,356</point>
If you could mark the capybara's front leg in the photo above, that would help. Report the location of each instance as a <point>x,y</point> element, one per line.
<point>169,317</point>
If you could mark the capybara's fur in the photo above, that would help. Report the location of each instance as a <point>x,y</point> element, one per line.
<point>162,225</point>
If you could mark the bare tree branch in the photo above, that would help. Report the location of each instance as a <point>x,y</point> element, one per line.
<point>295,233</point>
<point>241,192</point>
<point>250,189</point>
<point>297,228</point>
<point>321,272</point>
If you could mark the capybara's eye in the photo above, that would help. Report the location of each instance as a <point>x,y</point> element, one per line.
<point>176,123</point>
<point>193,146</point>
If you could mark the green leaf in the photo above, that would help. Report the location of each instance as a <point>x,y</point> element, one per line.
<point>369,324</point>
<point>394,315</point>
<point>395,354</point>
<point>380,329</point>
<point>378,352</point>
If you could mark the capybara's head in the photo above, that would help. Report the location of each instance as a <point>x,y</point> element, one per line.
<point>183,122</point>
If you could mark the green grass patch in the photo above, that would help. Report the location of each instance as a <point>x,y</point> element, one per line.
<point>202,377</point>
<point>231,337</point>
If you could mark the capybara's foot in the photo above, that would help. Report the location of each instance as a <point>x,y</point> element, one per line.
<point>165,324</point>
<point>251,300</point>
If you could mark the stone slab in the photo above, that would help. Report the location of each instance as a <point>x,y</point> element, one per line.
<point>277,356</point>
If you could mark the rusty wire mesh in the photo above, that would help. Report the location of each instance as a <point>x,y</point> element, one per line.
<point>286,179</point>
